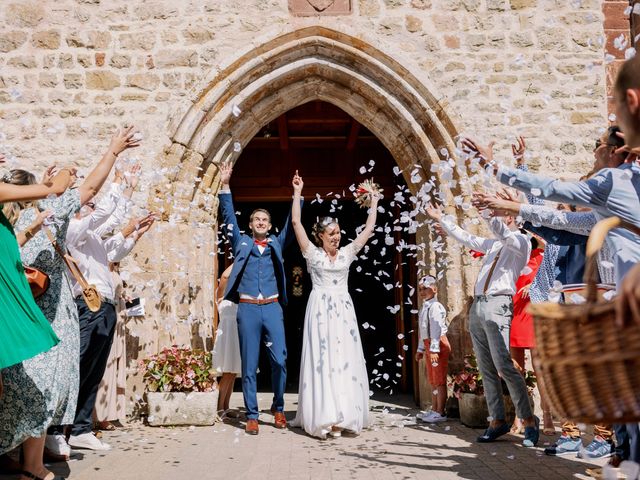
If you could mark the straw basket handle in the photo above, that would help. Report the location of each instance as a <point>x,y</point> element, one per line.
<point>594,244</point>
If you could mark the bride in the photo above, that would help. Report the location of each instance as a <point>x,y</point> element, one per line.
<point>334,388</point>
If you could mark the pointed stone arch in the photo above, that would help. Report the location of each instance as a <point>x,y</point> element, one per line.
<point>314,63</point>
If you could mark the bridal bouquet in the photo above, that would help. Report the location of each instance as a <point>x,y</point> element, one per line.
<point>365,191</point>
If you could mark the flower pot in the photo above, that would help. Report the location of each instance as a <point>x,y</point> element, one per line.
<point>178,408</point>
<point>473,410</point>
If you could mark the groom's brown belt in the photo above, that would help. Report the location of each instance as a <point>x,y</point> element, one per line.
<point>259,301</point>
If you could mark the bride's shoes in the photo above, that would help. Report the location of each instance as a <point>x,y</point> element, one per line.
<point>336,432</point>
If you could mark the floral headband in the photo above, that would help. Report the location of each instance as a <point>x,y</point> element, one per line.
<point>326,221</point>
<point>7,175</point>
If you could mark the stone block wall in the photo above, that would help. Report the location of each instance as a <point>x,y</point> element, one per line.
<point>73,70</point>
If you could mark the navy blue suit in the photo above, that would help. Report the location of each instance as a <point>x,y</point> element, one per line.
<point>258,273</point>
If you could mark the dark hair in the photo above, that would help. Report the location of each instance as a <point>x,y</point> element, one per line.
<point>629,75</point>
<point>320,226</point>
<point>613,138</point>
<point>259,210</point>
<point>534,243</point>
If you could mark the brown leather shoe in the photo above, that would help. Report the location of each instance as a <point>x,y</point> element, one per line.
<point>280,419</point>
<point>252,427</point>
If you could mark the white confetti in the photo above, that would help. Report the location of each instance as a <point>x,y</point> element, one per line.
<point>237,147</point>
<point>236,110</point>
<point>536,192</point>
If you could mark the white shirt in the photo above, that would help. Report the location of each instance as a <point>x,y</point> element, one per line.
<point>514,249</point>
<point>86,245</point>
<point>432,324</point>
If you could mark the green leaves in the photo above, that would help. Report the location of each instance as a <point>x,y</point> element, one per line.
<point>178,369</point>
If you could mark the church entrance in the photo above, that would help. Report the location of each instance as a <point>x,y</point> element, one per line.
<point>333,152</point>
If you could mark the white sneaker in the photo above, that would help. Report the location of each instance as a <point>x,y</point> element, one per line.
<point>424,414</point>
<point>435,417</point>
<point>87,441</point>
<point>57,445</point>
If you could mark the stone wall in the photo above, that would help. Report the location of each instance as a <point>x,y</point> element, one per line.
<point>71,71</point>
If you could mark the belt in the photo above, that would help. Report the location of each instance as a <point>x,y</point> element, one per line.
<point>259,301</point>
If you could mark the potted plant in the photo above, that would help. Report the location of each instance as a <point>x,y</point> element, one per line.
<point>181,387</point>
<point>468,388</point>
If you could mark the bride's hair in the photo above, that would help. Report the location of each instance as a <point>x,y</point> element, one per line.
<point>320,226</point>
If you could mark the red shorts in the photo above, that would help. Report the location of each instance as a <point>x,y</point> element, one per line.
<point>438,375</point>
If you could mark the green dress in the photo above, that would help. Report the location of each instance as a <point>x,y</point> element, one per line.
<point>25,330</point>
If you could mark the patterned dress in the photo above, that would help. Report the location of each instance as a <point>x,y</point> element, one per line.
<point>43,390</point>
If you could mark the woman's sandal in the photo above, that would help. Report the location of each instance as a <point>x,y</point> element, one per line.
<point>32,476</point>
<point>108,426</point>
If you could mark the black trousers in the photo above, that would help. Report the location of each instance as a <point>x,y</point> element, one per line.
<point>96,336</point>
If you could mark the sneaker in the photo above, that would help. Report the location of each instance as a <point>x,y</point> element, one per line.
<point>598,448</point>
<point>423,414</point>
<point>492,434</point>
<point>532,434</point>
<point>564,445</point>
<point>57,446</point>
<point>87,441</point>
<point>435,417</point>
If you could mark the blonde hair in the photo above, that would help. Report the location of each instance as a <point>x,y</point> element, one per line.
<point>12,210</point>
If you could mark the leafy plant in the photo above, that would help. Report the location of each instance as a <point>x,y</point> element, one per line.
<point>178,369</point>
<point>469,380</point>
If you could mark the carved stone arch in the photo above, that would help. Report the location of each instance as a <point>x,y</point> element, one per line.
<point>313,63</point>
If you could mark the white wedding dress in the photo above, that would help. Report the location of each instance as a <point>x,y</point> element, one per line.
<point>333,388</point>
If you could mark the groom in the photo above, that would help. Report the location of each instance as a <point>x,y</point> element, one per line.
<point>257,284</point>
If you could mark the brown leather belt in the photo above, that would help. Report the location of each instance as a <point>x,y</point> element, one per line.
<point>259,301</point>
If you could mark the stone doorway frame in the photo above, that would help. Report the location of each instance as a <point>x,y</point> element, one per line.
<point>313,63</point>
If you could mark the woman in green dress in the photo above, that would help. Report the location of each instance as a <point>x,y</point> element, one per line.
<point>25,330</point>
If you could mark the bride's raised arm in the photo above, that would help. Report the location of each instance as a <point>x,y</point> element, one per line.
<point>364,236</point>
<point>296,213</point>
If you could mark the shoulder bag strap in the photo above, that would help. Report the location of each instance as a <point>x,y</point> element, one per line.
<point>71,263</point>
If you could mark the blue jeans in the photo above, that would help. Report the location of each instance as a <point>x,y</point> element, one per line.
<point>489,325</point>
<point>257,324</point>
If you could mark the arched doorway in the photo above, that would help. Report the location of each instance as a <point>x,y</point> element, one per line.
<point>334,153</point>
<point>265,82</point>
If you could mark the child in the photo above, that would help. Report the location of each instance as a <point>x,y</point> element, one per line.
<point>433,338</point>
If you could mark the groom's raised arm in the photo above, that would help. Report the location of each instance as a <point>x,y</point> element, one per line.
<point>226,206</point>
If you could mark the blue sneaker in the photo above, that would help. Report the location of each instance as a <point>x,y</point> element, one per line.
<point>532,434</point>
<point>598,448</point>
<point>564,445</point>
<point>492,434</point>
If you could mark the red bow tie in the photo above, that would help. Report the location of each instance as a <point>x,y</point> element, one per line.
<point>260,243</point>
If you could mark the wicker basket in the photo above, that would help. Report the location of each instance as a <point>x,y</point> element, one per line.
<point>589,368</point>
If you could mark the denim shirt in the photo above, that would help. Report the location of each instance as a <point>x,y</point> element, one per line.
<point>611,191</point>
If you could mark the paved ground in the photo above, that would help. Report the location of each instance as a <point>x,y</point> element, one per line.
<point>394,448</point>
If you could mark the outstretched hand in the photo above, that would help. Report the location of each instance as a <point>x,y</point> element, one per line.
<point>297,183</point>
<point>132,175</point>
<point>123,139</point>
<point>434,211</point>
<point>226,169</point>
<point>518,150</point>
<point>484,153</point>
<point>499,206</point>
<point>48,174</point>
